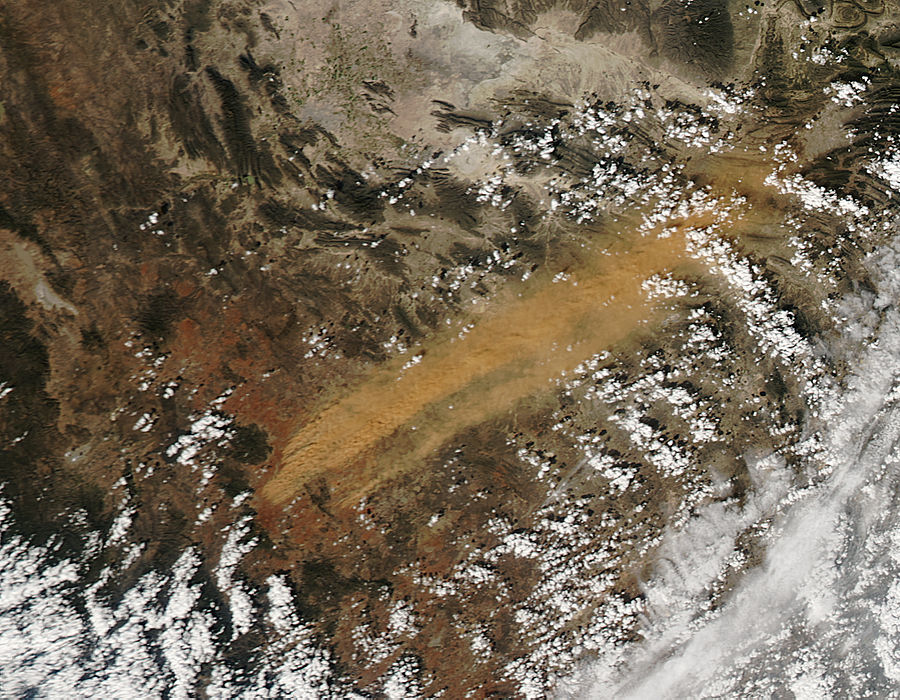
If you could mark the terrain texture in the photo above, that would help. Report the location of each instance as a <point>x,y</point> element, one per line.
<point>410,349</point>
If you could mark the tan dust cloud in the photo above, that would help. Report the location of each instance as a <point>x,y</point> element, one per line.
<point>396,417</point>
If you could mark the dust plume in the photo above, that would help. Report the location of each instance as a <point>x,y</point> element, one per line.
<point>396,417</point>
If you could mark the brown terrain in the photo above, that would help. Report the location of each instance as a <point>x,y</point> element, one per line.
<point>213,196</point>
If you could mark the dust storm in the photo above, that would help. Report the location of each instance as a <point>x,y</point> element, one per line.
<point>529,335</point>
